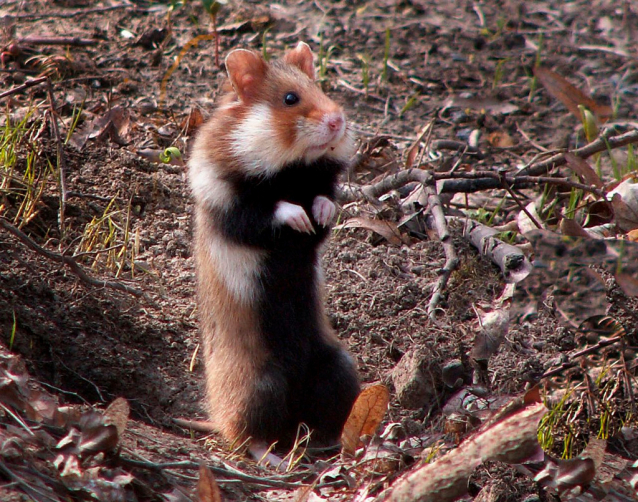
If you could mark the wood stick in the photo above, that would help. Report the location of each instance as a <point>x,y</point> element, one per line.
<point>74,13</point>
<point>68,261</point>
<point>35,40</point>
<point>24,86</point>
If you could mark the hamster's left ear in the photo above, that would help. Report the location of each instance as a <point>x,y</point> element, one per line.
<point>247,71</point>
<point>302,57</point>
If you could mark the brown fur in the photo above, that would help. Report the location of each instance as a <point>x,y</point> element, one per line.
<point>229,328</point>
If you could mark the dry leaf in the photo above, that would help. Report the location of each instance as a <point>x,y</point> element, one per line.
<point>154,155</point>
<point>207,489</point>
<point>491,105</point>
<point>571,228</point>
<point>569,95</point>
<point>97,437</point>
<point>386,229</point>
<point>117,414</point>
<point>500,139</point>
<point>114,124</point>
<point>599,213</point>
<point>191,123</point>
<point>416,147</point>
<point>625,204</point>
<point>494,327</point>
<point>584,171</point>
<point>366,416</point>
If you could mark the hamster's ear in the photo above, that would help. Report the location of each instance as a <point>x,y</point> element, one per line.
<point>301,57</point>
<point>246,70</point>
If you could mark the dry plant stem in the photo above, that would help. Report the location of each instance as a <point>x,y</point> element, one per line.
<point>60,154</point>
<point>69,262</point>
<point>219,471</point>
<point>520,204</point>
<point>351,192</point>
<point>78,12</point>
<point>451,260</point>
<point>584,352</point>
<point>24,86</point>
<point>57,41</point>
<point>456,182</point>
<point>599,145</point>
<point>464,182</point>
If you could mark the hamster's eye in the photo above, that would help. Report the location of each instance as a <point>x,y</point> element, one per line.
<point>291,99</point>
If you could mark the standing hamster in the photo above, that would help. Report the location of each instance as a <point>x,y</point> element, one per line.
<point>263,172</point>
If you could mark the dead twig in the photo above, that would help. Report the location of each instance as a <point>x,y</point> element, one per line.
<point>69,262</point>
<point>351,192</point>
<point>519,203</point>
<point>75,13</point>
<point>34,40</point>
<point>572,362</point>
<point>467,182</point>
<point>22,87</point>
<point>219,471</point>
<point>451,260</point>
<point>601,144</point>
<point>60,154</point>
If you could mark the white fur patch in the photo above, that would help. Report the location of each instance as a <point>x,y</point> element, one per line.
<point>345,149</point>
<point>255,142</point>
<point>208,189</point>
<point>238,267</point>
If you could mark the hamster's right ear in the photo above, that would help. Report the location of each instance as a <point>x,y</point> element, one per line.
<point>246,70</point>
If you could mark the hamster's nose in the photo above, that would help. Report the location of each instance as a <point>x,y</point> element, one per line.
<point>335,122</point>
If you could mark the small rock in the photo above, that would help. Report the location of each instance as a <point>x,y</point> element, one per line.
<point>413,379</point>
<point>453,373</point>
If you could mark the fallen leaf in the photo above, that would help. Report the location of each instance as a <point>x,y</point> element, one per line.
<point>494,327</point>
<point>599,212</point>
<point>490,105</point>
<point>416,147</point>
<point>366,416</point>
<point>584,171</point>
<point>525,224</point>
<point>192,122</point>
<point>114,125</point>
<point>625,204</point>
<point>117,414</point>
<point>500,139</point>
<point>570,96</point>
<point>571,228</point>
<point>386,229</point>
<point>207,489</point>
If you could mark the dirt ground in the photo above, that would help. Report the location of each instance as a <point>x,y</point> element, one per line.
<point>395,66</point>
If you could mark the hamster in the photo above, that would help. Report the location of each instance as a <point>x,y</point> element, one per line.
<point>263,173</point>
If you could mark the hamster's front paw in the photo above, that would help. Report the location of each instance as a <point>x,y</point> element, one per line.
<point>323,210</point>
<point>294,216</point>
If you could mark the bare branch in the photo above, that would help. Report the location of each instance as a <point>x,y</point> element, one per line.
<point>24,86</point>
<point>69,262</point>
<point>599,145</point>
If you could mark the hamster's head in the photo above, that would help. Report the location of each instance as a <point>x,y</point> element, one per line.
<point>282,115</point>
